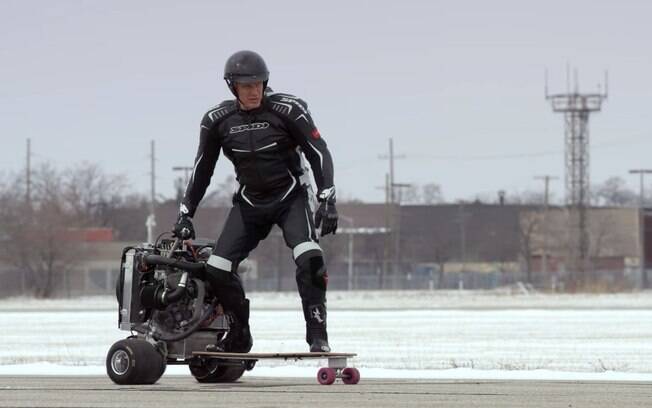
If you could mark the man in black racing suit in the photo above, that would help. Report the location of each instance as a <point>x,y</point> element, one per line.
<point>264,134</point>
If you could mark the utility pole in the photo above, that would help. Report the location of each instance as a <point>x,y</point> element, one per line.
<point>390,204</point>
<point>392,196</point>
<point>641,223</point>
<point>180,184</point>
<point>28,201</point>
<point>546,189</point>
<point>186,172</point>
<point>153,174</point>
<point>351,231</point>
<point>386,242</point>
<point>398,214</point>
<point>391,157</point>
<point>546,205</point>
<point>151,218</point>
<point>28,174</point>
<point>577,108</point>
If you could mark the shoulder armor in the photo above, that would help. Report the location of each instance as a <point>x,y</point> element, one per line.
<point>216,113</point>
<point>287,104</point>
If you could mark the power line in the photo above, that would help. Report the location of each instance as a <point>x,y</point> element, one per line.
<point>546,201</point>
<point>364,161</point>
<point>487,157</point>
<point>523,155</point>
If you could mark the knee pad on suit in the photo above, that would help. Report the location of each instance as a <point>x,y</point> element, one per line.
<point>311,272</point>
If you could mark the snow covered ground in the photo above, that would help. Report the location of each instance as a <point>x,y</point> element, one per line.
<point>416,334</point>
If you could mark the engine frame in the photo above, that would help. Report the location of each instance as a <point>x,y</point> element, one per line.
<point>138,317</point>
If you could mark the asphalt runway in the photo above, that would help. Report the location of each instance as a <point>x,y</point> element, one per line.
<point>183,391</point>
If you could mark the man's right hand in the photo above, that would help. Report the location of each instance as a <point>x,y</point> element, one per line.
<point>183,229</point>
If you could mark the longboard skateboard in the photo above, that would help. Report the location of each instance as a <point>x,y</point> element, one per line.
<point>326,375</point>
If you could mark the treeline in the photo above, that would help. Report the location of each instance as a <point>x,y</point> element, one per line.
<point>38,218</point>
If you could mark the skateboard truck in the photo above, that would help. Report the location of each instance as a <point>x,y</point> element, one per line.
<point>337,369</point>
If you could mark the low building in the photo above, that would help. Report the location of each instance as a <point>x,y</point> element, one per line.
<point>469,245</point>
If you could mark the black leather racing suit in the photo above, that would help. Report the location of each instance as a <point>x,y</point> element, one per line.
<point>265,146</point>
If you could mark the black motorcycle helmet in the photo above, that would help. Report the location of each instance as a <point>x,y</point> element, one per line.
<point>245,67</point>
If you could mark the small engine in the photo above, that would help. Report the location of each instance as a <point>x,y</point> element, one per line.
<point>165,302</point>
<point>172,314</point>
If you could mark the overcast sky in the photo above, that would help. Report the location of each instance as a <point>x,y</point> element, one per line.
<point>458,84</point>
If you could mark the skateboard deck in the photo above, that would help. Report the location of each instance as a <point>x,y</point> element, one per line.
<point>336,363</point>
<point>281,356</point>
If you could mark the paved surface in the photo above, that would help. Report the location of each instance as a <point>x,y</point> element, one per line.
<point>170,391</point>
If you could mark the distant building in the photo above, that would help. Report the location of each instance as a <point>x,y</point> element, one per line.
<point>470,245</point>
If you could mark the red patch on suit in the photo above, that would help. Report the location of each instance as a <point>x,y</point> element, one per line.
<point>315,133</point>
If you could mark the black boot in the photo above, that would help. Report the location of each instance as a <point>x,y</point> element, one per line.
<point>316,334</point>
<point>228,289</point>
<point>238,339</point>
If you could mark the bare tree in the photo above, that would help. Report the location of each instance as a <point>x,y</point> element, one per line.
<point>91,194</point>
<point>432,194</point>
<point>411,195</point>
<point>222,196</point>
<point>426,194</point>
<point>40,237</point>
<point>529,224</point>
<point>614,192</point>
<point>37,240</point>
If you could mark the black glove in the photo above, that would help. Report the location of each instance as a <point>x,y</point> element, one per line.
<point>326,215</point>
<point>184,229</point>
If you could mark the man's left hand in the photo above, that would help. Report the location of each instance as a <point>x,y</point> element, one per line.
<point>326,216</point>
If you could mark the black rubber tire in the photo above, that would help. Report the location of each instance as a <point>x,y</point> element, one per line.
<point>214,373</point>
<point>161,371</point>
<point>134,361</point>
